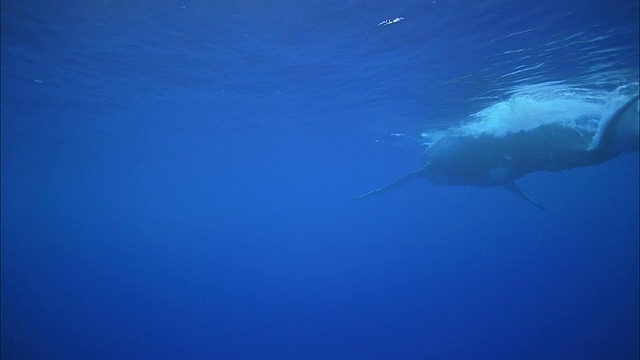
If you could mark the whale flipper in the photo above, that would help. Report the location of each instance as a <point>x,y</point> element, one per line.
<point>619,133</point>
<point>394,185</point>
<point>511,186</point>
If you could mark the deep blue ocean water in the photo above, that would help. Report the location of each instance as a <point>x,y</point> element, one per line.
<point>179,182</point>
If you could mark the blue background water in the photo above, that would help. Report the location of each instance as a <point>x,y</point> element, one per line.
<point>178,182</point>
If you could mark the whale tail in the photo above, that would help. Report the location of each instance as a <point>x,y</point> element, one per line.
<point>394,185</point>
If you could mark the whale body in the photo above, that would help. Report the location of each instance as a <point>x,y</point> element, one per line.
<point>498,160</point>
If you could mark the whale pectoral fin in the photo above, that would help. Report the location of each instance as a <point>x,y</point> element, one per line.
<point>394,185</point>
<point>516,190</point>
<point>619,133</point>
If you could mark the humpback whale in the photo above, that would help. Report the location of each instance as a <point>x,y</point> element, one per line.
<point>484,160</point>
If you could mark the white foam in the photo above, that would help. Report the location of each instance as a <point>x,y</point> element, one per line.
<point>531,106</point>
